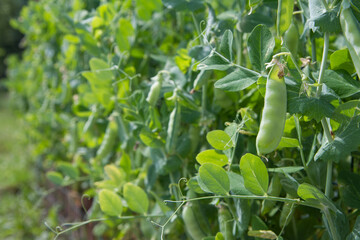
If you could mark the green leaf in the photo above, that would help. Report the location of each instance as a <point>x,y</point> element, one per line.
<point>101,69</point>
<point>212,156</point>
<point>286,142</point>
<point>214,178</point>
<point>284,15</point>
<point>255,174</point>
<point>214,62</point>
<point>261,44</point>
<point>350,188</point>
<point>150,139</point>
<point>314,108</point>
<point>124,33</point>
<point>254,3</point>
<point>68,170</point>
<point>219,140</point>
<point>226,45</point>
<point>312,194</point>
<point>264,234</point>
<point>136,198</point>
<point>55,177</point>
<point>341,60</point>
<point>355,234</point>
<point>110,203</point>
<point>285,169</point>
<point>342,83</point>
<point>346,140</point>
<point>116,174</point>
<point>325,21</point>
<point>237,185</point>
<point>237,80</point>
<point>183,5</point>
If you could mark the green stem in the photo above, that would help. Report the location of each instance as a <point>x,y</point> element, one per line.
<point>203,99</point>
<point>298,129</point>
<point>270,198</point>
<point>323,63</point>
<point>198,32</point>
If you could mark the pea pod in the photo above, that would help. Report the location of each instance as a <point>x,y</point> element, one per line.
<point>351,30</point>
<point>225,223</point>
<point>173,127</point>
<point>286,213</point>
<point>192,224</point>
<point>155,90</point>
<point>291,39</point>
<point>284,15</point>
<point>109,140</point>
<point>274,112</point>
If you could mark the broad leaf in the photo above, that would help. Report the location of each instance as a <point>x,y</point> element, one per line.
<point>342,83</point>
<point>350,188</point>
<point>110,203</point>
<point>219,139</point>
<point>255,174</point>
<point>237,80</point>
<point>346,140</point>
<point>237,184</point>
<point>212,156</point>
<point>116,174</point>
<point>215,178</point>
<point>261,44</point>
<point>136,198</point>
<point>286,142</point>
<point>214,62</point>
<point>226,45</point>
<point>341,60</point>
<point>312,194</point>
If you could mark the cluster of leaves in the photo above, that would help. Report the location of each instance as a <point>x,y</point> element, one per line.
<point>135,102</point>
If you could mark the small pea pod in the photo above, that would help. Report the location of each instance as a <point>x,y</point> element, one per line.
<point>351,30</point>
<point>291,39</point>
<point>155,90</point>
<point>192,224</point>
<point>274,112</point>
<point>225,223</point>
<point>284,15</point>
<point>173,127</point>
<point>109,140</point>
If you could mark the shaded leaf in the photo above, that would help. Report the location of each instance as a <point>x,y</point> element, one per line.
<point>237,80</point>
<point>215,178</point>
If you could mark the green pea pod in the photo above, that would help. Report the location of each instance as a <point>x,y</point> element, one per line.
<point>274,112</point>
<point>155,90</point>
<point>225,223</point>
<point>351,30</point>
<point>173,128</point>
<point>192,224</point>
<point>109,140</point>
<point>284,15</point>
<point>274,190</point>
<point>291,39</point>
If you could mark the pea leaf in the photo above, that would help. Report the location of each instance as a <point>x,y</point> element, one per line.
<point>286,142</point>
<point>341,60</point>
<point>219,140</point>
<point>355,234</point>
<point>110,203</point>
<point>183,5</point>
<point>342,83</point>
<point>237,184</point>
<point>124,34</point>
<point>255,174</point>
<point>68,170</point>
<point>314,108</point>
<point>311,194</point>
<point>116,174</point>
<point>214,62</point>
<point>214,178</point>
<point>346,140</point>
<point>136,198</point>
<point>350,188</point>
<point>237,80</point>
<point>226,45</point>
<point>55,177</point>
<point>261,44</point>
<point>212,156</point>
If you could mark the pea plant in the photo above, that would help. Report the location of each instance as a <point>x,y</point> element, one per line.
<point>195,119</point>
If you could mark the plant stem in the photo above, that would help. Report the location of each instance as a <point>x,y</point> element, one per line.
<point>331,224</point>
<point>323,63</point>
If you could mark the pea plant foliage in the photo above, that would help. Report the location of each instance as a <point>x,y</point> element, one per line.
<point>196,119</point>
